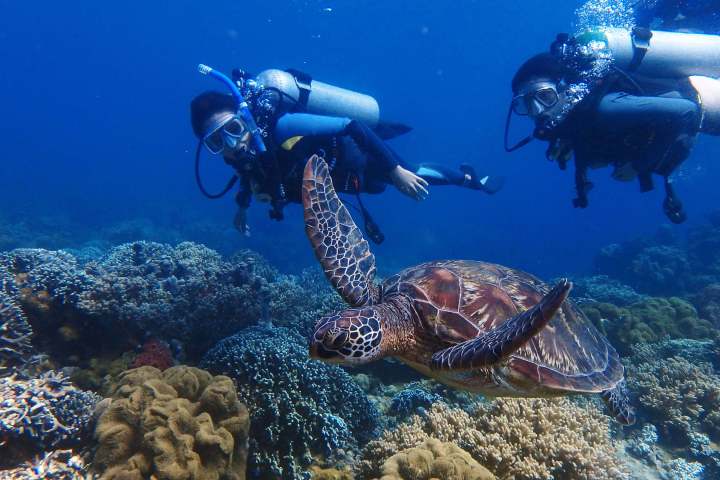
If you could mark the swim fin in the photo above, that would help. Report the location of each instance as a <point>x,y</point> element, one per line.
<point>487,183</point>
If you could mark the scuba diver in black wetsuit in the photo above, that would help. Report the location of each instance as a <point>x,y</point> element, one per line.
<point>631,100</point>
<point>359,159</point>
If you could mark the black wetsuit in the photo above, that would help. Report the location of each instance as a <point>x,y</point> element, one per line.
<point>638,135</point>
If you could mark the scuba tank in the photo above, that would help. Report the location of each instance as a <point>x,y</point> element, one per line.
<point>654,56</point>
<point>311,96</point>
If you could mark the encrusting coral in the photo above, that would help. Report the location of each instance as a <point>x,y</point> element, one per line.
<point>516,439</point>
<point>301,409</point>
<point>433,459</point>
<point>648,321</point>
<point>182,423</point>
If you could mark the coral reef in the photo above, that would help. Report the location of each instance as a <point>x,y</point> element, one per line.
<point>411,400</point>
<point>41,413</point>
<point>182,423</point>
<point>55,465</point>
<point>707,302</point>
<point>602,288</point>
<point>15,332</point>
<point>648,321</point>
<point>155,353</point>
<point>300,408</point>
<point>432,460</point>
<point>513,438</point>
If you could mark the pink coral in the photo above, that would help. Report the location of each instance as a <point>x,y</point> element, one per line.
<point>154,354</point>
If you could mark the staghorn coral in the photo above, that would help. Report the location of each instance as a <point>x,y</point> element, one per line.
<point>514,438</point>
<point>648,321</point>
<point>41,413</point>
<point>15,332</point>
<point>432,460</point>
<point>300,408</point>
<point>55,465</point>
<point>182,423</point>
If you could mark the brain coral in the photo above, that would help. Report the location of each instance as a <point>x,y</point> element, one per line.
<point>433,460</point>
<point>515,439</point>
<point>300,408</point>
<point>182,423</point>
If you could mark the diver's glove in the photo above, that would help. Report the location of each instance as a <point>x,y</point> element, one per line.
<point>672,206</point>
<point>240,222</point>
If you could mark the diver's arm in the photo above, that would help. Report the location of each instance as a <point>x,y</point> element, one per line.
<point>243,199</point>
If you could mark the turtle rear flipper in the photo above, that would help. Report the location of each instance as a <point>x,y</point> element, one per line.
<point>500,342</point>
<point>618,403</point>
<point>344,254</point>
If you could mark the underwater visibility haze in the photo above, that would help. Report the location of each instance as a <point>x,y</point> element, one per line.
<point>496,332</point>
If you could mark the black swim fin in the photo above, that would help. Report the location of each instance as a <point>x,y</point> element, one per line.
<point>487,183</point>
<point>388,130</point>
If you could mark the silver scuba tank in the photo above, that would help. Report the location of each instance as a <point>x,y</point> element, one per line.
<point>667,55</point>
<point>708,96</point>
<point>321,98</point>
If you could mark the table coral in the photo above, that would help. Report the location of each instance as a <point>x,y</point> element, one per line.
<point>300,408</point>
<point>42,413</point>
<point>433,460</point>
<point>182,423</point>
<point>514,438</point>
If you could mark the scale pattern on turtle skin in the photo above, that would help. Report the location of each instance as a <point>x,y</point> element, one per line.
<point>338,243</point>
<point>458,300</point>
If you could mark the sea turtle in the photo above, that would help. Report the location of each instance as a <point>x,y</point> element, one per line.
<point>472,325</point>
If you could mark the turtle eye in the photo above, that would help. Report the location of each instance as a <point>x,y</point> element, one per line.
<point>334,340</point>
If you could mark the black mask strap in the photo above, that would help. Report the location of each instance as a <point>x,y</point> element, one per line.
<point>230,184</point>
<point>522,142</point>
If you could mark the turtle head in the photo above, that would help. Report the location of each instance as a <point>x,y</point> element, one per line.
<point>351,337</point>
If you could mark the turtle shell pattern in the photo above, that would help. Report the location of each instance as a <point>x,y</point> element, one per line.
<point>456,301</point>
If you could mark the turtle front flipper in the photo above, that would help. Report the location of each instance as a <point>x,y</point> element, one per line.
<point>498,343</point>
<point>618,403</point>
<point>338,243</point>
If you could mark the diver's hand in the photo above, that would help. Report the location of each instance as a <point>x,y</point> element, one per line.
<point>409,183</point>
<point>240,222</point>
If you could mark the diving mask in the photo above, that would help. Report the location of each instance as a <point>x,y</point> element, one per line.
<point>540,98</point>
<point>230,132</point>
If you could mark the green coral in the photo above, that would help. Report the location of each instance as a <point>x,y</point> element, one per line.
<point>648,321</point>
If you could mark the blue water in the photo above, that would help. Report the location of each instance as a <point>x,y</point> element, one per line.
<point>95,122</point>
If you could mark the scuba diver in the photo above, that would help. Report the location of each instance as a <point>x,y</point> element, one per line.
<point>632,100</point>
<point>271,124</point>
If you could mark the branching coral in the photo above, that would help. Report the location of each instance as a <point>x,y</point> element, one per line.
<point>514,438</point>
<point>602,288</point>
<point>182,423</point>
<point>15,333</point>
<point>55,465</point>
<point>42,413</point>
<point>433,460</point>
<point>678,396</point>
<point>300,408</point>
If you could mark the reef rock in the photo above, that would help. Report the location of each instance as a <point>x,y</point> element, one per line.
<point>182,423</point>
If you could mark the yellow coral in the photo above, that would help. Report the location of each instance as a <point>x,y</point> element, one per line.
<point>516,439</point>
<point>182,423</point>
<point>431,460</point>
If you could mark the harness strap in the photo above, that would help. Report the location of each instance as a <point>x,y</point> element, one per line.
<point>641,44</point>
<point>304,84</point>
